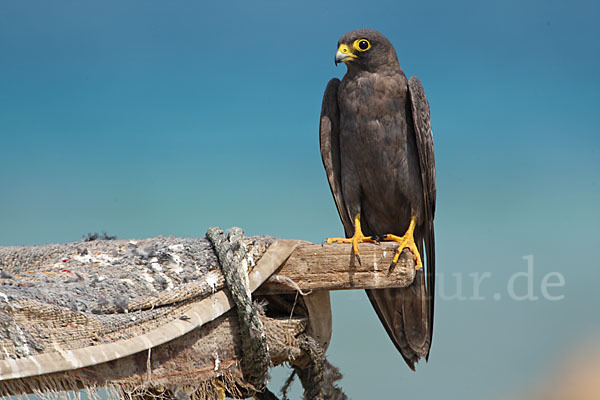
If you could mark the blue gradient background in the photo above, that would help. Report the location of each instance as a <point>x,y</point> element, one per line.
<point>144,118</point>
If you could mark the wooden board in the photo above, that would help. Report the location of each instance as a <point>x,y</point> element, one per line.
<point>334,267</point>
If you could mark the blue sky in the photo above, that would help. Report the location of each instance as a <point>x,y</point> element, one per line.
<point>164,118</point>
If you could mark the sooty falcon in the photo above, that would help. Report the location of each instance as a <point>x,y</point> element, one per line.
<point>377,149</point>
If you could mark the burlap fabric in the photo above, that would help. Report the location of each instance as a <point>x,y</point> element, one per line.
<point>143,317</point>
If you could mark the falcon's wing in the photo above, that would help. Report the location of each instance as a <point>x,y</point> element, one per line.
<point>424,136</point>
<point>329,137</point>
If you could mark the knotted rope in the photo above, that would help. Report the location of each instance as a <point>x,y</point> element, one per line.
<point>318,377</point>
<point>231,252</point>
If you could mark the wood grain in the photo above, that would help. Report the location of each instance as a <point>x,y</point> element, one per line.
<point>334,267</point>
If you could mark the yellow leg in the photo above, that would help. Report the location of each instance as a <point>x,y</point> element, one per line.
<point>408,240</point>
<point>220,390</point>
<point>356,239</point>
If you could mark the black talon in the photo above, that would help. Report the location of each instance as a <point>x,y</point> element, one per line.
<point>358,258</point>
<point>393,264</point>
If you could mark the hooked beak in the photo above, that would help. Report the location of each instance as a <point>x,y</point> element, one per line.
<point>344,54</point>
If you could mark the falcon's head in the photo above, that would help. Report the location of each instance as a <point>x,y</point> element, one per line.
<point>365,49</point>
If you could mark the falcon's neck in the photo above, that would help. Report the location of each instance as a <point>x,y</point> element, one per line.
<point>390,68</point>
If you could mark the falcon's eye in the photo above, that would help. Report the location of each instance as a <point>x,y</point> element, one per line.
<point>362,44</point>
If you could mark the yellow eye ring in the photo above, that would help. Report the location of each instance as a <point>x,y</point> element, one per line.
<point>361,45</point>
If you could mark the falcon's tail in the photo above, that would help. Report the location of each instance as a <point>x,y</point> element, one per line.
<point>407,314</point>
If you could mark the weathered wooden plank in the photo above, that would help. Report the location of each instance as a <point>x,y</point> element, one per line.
<point>334,267</point>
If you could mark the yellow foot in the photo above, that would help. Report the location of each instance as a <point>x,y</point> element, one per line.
<point>220,390</point>
<point>356,239</point>
<point>406,241</point>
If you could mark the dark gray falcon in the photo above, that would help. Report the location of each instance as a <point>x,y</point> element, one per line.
<point>377,149</point>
